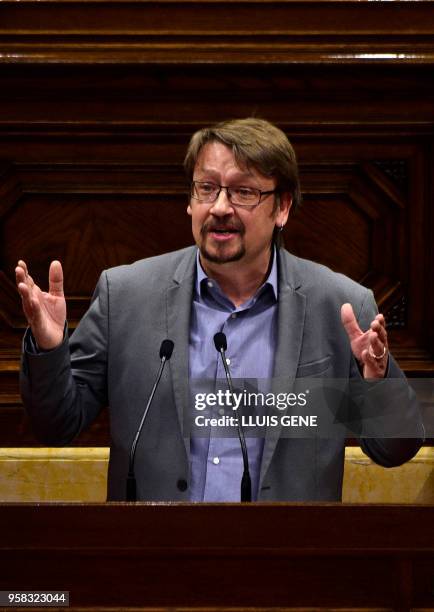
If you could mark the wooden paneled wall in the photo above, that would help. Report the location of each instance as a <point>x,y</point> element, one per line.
<point>98,100</point>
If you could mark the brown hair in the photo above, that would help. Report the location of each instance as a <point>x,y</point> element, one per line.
<point>254,142</point>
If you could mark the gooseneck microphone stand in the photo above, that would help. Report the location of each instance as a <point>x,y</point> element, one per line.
<point>246,482</point>
<point>166,350</point>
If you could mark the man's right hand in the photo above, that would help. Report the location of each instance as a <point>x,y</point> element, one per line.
<point>45,312</point>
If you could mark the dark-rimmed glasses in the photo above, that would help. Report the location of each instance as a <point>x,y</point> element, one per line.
<point>206,193</point>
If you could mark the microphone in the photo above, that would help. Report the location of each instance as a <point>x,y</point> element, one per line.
<point>166,350</point>
<point>220,342</point>
<point>221,345</point>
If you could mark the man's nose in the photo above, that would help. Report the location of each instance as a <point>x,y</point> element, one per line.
<point>222,206</point>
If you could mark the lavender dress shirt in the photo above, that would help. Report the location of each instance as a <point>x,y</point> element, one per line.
<point>216,462</point>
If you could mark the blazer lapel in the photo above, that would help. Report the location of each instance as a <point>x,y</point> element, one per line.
<point>290,325</point>
<point>178,308</point>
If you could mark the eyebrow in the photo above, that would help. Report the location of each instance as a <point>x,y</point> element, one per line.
<point>242,175</point>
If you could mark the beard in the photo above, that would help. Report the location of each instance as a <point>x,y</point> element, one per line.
<point>220,256</point>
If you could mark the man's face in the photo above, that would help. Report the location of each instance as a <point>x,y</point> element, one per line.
<point>225,233</point>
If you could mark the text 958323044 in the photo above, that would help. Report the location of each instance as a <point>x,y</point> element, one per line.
<point>19,599</point>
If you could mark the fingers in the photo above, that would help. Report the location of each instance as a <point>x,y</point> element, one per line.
<point>55,279</point>
<point>349,321</point>
<point>375,357</point>
<point>373,367</point>
<point>22,265</point>
<point>370,348</point>
<point>45,312</point>
<point>378,326</point>
<point>378,338</point>
<point>30,293</point>
<point>22,275</point>
<point>25,282</point>
<point>26,288</point>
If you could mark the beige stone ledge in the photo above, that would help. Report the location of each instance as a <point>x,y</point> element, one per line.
<point>53,474</point>
<point>367,482</point>
<point>80,474</point>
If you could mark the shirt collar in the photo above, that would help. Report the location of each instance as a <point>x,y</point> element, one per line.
<point>271,279</point>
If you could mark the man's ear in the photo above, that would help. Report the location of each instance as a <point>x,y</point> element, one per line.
<point>189,212</point>
<point>284,208</point>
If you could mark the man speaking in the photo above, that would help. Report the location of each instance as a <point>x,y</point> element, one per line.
<point>281,316</point>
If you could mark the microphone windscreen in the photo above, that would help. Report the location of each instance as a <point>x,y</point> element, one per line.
<point>166,349</point>
<point>220,341</point>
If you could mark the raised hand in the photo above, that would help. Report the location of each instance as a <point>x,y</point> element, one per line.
<point>45,311</point>
<point>370,348</point>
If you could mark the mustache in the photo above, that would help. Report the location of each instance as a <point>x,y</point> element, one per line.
<point>212,226</point>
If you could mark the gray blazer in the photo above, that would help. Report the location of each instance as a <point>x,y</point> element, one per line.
<point>112,359</point>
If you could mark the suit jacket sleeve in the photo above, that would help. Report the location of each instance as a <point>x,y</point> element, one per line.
<point>63,390</point>
<point>390,408</point>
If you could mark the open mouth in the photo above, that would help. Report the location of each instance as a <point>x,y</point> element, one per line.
<point>222,234</point>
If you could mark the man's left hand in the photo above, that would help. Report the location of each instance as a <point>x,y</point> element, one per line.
<point>370,348</point>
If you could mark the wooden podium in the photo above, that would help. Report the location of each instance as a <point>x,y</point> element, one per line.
<point>221,556</point>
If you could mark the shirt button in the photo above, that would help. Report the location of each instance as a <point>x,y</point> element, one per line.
<point>234,315</point>
<point>210,284</point>
<point>216,460</point>
<point>228,361</point>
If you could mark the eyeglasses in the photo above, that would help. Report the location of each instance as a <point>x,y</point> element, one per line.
<point>207,193</point>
